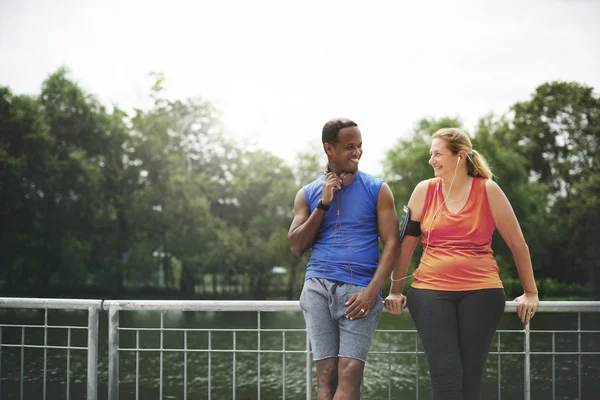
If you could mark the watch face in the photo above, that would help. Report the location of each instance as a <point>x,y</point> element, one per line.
<point>322,206</point>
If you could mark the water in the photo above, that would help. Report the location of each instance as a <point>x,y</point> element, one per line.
<point>278,372</point>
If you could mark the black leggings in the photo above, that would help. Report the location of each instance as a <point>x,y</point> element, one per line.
<point>456,329</point>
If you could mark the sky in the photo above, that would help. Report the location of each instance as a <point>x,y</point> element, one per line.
<point>278,70</point>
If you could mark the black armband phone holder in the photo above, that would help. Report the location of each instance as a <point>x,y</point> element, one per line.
<point>408,226</point>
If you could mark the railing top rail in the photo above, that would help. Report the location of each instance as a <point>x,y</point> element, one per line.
<point>235,305</point>
<point>293,305</point>
<point>561,306</point>
<point>204,305</point>
<point>37,303</point>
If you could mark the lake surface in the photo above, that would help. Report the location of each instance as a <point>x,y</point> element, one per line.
<point>277,375</point>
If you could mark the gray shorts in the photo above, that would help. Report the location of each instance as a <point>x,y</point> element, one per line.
<point>331,333</point>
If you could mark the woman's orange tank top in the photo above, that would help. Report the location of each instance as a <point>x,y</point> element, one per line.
<point>459,254</point>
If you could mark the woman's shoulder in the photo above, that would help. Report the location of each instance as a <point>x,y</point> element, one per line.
<point>418,199</point>
<point>422,186</point>
<point>494,193</point>
<point>425,185</point>
<point>490,184</point>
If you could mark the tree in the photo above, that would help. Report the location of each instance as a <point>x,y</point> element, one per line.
<point>558,132</point>
<point>25,159</point>
<point>181,152</point>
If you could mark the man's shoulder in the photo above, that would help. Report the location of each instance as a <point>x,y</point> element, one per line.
<point>317,182</point>
<point>313,187</point>
<point>368,178</point>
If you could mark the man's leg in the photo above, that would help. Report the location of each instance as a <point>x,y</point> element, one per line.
<point>350,376</point>
<point>356,337</point>
<point>327,378</point>
<point>324,335</point>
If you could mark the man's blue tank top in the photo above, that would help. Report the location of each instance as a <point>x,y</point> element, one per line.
<point>346,247</point>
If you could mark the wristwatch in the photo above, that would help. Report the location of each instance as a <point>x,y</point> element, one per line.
<point>322,205</point>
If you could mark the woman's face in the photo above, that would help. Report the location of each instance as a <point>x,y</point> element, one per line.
<point>441,158</point>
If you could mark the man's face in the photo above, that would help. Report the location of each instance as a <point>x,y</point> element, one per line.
<point>346,153</point>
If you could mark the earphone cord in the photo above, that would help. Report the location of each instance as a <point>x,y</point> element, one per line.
<point>345,250</point>
<point>429,230</point>
<point>338,222</point>
<point>401,279</point>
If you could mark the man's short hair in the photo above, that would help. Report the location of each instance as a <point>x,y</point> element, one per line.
<point>331,129</point>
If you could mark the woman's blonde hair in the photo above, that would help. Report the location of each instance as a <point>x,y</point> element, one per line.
<point>457,141</point>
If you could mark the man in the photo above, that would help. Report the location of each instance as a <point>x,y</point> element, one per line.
<point>341,216</point>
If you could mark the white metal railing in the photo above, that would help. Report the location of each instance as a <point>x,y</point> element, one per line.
<point>114,307</point>
<point>92,306</point>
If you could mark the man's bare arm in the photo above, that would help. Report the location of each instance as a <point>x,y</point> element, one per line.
<point>387,222</point>
<point>305,226</point>
<point>389,232</point>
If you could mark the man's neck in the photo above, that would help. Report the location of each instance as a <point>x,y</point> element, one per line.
<point>338,171</point>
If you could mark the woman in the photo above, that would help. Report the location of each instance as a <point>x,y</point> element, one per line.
<point>457,299</point>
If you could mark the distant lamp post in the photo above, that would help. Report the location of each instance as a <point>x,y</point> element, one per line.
<point>161,255</point>
<point>279,273</point>
<point>165,256</point>
<point>277,270</point>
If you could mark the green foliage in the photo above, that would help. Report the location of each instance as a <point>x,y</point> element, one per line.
<point>165,200</point>
<point>547,289</point>
<point>558,132</point>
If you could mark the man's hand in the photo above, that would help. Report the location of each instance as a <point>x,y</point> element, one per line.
<point>395,303</point>
<point>360,304</point>
<point>331,185</point>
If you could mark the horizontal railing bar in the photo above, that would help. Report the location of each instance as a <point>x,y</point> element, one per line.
<point>581,331</point>
<point>565,353</point>
<point>236,305</point>
<point>41,346</point>
<point>203,305</point>
<point>293,305</point>
<point>396,352</point>
<point>43,326</point>
<point>216,330</point>
<point>254,351</point>
<point>269,330</point>
<point>61,304</point>
<point>215,350</point>
<point>561,306</point>
<point>413,330</point>
<point>296,330</point>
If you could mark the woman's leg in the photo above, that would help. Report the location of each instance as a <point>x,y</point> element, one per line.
<point>435,316</point>
<point>479,313</point>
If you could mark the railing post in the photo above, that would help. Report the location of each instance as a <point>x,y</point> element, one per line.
<point>92,356</point>
<point>113,353</point>
<point>579,352</point>
<point>527,363</point>
<point>308,368</point>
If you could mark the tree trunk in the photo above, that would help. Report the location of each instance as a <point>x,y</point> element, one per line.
<point>214,283</point>
<point>187,282</point>
<point>293,277</point>
<point>121,248</point>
